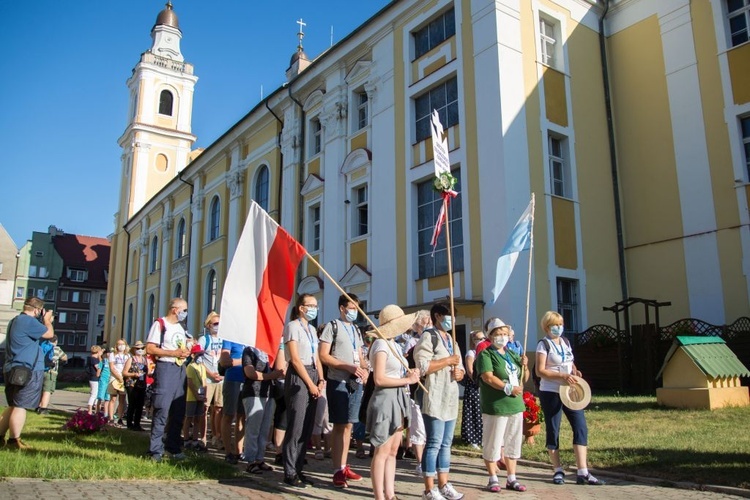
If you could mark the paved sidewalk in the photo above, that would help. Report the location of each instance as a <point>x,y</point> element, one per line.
<point>467,475</point>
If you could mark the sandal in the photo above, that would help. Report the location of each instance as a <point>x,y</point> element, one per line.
<point>558,477</point>
<point>588,479</point>
<point>254,468</point>
<point>494,487</point>
<point>515,486</point>
<point>264,466</point>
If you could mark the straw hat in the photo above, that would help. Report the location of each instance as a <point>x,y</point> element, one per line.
<point>393,321</point>
<point>139,345</point>
<point>576,396</point>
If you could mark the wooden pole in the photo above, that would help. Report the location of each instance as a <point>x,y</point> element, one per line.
<point>364,314</point>
<point>450,267</point>
<point>528,285</point>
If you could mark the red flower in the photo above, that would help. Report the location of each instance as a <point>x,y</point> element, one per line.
<point>533,413</point>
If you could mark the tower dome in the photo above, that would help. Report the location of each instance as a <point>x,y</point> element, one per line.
<point>167,17</point>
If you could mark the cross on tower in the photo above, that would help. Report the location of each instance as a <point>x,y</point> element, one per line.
<point>300,34</point>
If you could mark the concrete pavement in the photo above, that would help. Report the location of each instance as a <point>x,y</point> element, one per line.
<point>467,475</point>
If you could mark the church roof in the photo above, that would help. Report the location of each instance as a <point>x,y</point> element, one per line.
<point>167,17</point>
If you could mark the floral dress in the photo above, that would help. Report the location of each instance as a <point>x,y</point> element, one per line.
<point>471,417</point>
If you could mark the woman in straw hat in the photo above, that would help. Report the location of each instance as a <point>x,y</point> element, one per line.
<point>554,365</point>
<point>389,404</point>
<point>135,371</point>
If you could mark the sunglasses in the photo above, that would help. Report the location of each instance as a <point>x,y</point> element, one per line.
<point>215,324</point>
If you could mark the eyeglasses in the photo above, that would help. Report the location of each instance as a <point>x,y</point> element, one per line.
<point>215,324</point>
<point>310,305</point>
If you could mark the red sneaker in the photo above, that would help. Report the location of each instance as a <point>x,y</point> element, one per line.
<point>351,475</point>
<point>339,479</point>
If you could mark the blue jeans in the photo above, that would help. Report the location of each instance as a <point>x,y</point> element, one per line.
<point>169,408</point>
<point>437,451</point>
<point>553,409</point>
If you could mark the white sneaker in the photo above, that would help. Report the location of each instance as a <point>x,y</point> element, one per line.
<point>433,494</point>
<point>418,470</point>
<point>449,492</point>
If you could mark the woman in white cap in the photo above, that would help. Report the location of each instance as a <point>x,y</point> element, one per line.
<point>389,405</point>
<point>554,365</point>
<point>501,400</point>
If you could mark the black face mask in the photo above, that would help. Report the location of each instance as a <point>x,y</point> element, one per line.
<point>40,316</point>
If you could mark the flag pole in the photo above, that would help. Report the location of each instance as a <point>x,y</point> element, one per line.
<point>364,314</point>
<point>528,286</point>
<point>450,266</point>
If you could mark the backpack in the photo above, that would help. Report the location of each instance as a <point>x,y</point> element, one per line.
<point>546,347</point>
<point>48,349</point>
<point>335,331</point>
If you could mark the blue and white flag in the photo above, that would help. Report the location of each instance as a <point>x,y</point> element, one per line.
<point>518,241</point>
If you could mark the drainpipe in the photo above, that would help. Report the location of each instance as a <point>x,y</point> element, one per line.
<point>613,155</point>
<point>281,154</point>
<point>300,204</point>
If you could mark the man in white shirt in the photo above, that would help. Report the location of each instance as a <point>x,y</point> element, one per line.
<point>167,341</point>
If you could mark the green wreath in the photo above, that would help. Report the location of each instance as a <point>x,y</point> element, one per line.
<point>444,182</point>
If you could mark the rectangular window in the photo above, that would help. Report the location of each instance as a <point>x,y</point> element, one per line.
<point>39,253</point>
<point>547,41</point>
<point>31,293</point>
<point>85,297</point>
<point>62,317</point>
<point>361,215</point>
<point>745,124</point>
<point>362,117</point>
<point>77,275</point>
<point>20,291</point>
<point>73,318</point>
<point>567,303</point>
<point>315,136</point>
<point>49,295</point>
<point>83,318</point>
<point>100,320</point>
<point>433,34</point>
<point>738,12</point>
<point>428,208</point>
<point>64,296</point>
<point>32,271</point>
<point>81,339</point>
<point>75,296</point>
<point>43,272</point>
<point>559,168</point>
<point>444,99</point>
<point>315,228</point>
<point>103,299</point>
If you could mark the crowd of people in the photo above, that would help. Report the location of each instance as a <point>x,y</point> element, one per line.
<point>331,387</point>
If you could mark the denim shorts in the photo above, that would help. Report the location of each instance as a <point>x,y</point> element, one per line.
<point>27,396</point>
<point>343,406</point>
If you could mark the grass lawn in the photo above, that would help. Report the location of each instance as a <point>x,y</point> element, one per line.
<point>110,454</point>
<point>632,434</point>
<point>74,386</point>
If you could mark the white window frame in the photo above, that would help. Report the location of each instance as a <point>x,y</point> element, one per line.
<point>103,299</point>
<point>742,12</point>
<point>64,295</point>
<point>433,38</point>
<point>745,136</point>
<point>357,206</point>
<point>75,296</point>
<point>547,41</point>
<point>315,228</point>
<point>32,271</point>
<point>62,317</point>
<point>316,136</point>
<point>560,185</point>
<point>362,105</point>
<point>569,309</point>
<point>77,275</point>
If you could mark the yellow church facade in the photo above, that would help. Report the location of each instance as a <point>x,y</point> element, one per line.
<point>637,160</point>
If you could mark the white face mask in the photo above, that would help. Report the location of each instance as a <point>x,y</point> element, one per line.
<point>500,341</point>
<point>556,330</point>
<point>447,323</point>
<point>140,352</point>
<point>351,315</point>
<point>215,329</point>
<point>121,348</point>
<point>181,316</point>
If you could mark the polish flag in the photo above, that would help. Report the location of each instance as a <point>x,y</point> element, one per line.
<point>260,284</point>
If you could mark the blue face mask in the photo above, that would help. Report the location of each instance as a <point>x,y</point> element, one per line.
<point>351,315</point>
<point>556,330</point>
<point>311,313</point>
<point>447,323</point>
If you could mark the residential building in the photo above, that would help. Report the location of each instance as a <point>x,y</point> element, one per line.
<point>8,261</point>
<point>627,119</point>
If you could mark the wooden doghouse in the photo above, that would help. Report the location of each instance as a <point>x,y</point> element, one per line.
<point>702,372</point>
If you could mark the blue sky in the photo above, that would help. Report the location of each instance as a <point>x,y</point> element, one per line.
<point>63,98</point>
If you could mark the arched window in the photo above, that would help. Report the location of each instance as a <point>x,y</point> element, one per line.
<point>129,327</point>
<point>178,290</point>
<point>151,311</point>
<point>154,254</point>
<point>261,187</point>
<point>181,240</point>
<point>211,286</point>
<point>214,221</point>
<point>165,103</point>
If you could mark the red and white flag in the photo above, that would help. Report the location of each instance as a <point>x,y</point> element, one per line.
<point>260,284</point>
